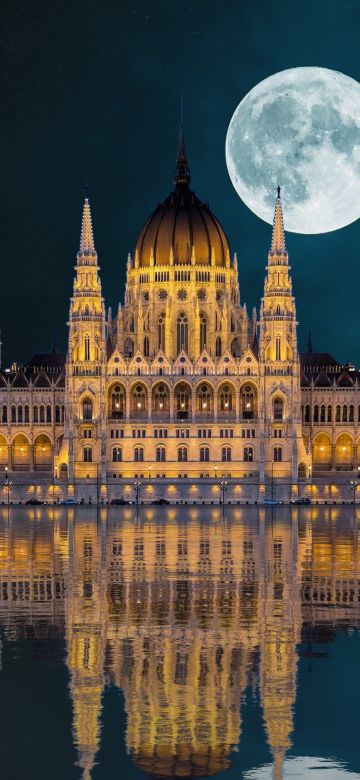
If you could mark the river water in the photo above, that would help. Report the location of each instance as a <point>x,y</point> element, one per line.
<point>180,643</point>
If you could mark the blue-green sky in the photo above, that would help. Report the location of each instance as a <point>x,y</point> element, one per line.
<point>90,94</point>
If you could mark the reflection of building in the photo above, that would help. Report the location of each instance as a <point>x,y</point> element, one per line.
<point>181,381</point>
<point>86,637</point>
<point>181,617</point>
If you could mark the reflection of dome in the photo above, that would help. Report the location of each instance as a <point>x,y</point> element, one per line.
<point>182,225</point>
<point>186,762</point>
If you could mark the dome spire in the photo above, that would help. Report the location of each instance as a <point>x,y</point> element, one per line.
<point>182,172</point>
<point>278,234</point>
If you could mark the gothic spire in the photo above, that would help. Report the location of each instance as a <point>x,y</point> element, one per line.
<point>278,234</point>
<point>309,344</point>
<point>182,171</point>
<point>86,237</point>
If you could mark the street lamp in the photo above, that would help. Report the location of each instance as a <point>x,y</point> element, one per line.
<point>8,484</point>
<point>354,484</point>
<point>309,479</point>
<point>223,485</point>
<point>137,484</point>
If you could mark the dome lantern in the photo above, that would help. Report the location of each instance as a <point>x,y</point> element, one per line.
<point>182,230</point>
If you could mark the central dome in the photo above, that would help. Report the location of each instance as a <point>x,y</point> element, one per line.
<point>182,226</point>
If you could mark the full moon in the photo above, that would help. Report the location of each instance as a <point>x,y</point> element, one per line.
<point>299,129</point>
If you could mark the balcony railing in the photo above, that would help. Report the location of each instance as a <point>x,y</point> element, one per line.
<point>139,414</point>
<point>116,415</point>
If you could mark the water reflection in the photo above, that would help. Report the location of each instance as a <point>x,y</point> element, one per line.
<point>182,612</point>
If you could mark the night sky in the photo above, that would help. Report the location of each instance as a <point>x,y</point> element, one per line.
<point>90,95</point>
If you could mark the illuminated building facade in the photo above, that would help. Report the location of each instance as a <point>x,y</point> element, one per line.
<point>182,384</point>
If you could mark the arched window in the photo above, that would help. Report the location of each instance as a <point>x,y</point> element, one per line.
<point>146,347</point>
<point>278,310</point>
<point>161,332</point>
<point>160,454</point>
<point>344,414</point>
<point>87,348</point>
<point>27,414</point>
<point>277,454</point>
<point>337,418</point>
<point>57,414</point>
<point>322,413</point>
<point>20,414</point>
<point>278,408</point>
<point>218,347</point>
<point>117,402</point>
<point>351,413</point>
<point>117,455</point>
<point>48,414</point>
<point>139,399</point>
<point>204,399</point>
<point>202,332</point>
<point>316,413</point>
<point>36,414</point>
<point>182,333</point>
<point>182,454</point>
<point>182,400</point>
<point>160,399</point>
<point>13,414</point>
<point>87,409</point>
<point>248,454</point>
<point>86,311</point>
<point>131,325</point>
<point>236,347</point>
<point>307,413</point>
<point>226,399</point>
<point>278,347</point>
<point>42,414</point>
<point>247,402</point>
<point>226,454</point>
<point>204,454</point>
<point>329,413</point>
<point>232,324</point>
<point>128,347</point>
<point>4,414</point>
<point>139,454</point>
<point>87,454</point>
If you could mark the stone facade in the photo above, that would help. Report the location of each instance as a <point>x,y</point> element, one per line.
<point>181,388</point>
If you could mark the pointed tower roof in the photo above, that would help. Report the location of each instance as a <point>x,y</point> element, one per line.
<point>309,344</point>
<point>86,238</point>
<point>278,234</point>
<point>182,172</point>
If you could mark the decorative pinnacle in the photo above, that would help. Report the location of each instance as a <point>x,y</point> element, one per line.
<point>182,172</point>
<point>86,237</point>
<point>309,344</point>
<point>278,234</point>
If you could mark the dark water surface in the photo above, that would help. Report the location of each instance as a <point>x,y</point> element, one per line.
<point>180,644</point>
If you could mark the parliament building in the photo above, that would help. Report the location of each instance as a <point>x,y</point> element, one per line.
<point>182,389</point>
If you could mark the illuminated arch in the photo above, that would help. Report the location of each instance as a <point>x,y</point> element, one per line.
<point>344,450</point>
<point>321,451</point>
<point>43,453</point>
<point>21,453</point>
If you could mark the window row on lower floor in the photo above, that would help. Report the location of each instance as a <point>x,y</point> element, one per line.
<point>19,413</point>
<point>321,413</point>
<point>182,454</point>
